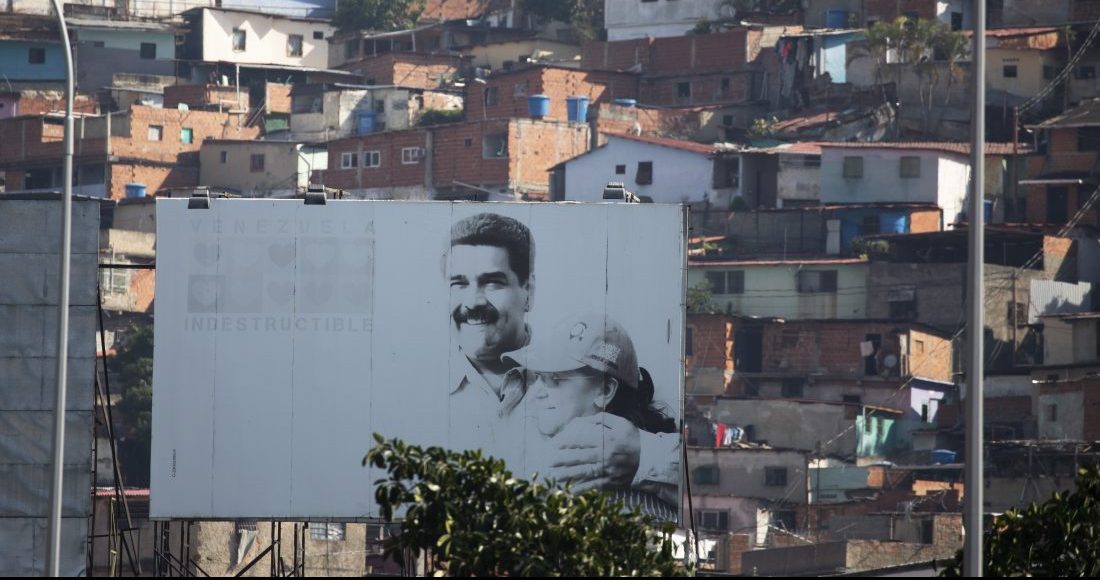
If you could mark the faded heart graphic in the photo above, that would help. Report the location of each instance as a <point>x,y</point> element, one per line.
<point>318,293</point>
<point>280,292</point>
<point>281,254</point>
<point>206,253</point>
<point>320,255</point>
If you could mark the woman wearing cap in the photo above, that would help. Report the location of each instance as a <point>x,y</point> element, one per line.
<point>585,366</point>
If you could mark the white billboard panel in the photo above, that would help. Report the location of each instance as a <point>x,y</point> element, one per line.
<point>549,335</point>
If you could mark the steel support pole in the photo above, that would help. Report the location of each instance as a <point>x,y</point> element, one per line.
<point>62,367</point>
<point>975,329</point>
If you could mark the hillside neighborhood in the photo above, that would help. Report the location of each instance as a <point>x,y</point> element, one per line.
<point>821,148</point>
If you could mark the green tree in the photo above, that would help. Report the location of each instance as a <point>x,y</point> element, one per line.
<point>700,299</point>
<point>132,376</point>
<point>586,16</point>
<point>1057,538</point>
<point>471,517</point>
<point>378,14</point>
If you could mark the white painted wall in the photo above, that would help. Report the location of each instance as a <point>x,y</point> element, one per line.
<point>1069,416</point>
<point>943,179</point>
<point>626,19</point>
<point>796,181</point>
<point>1069,341</point>
<point>678,176</point>
<point>266,39</point>
<point>286,167</point>
<point>772,290</point>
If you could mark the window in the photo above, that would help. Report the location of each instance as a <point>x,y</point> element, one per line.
<point>372,159</point>
<point>1009,71</point>
<point>918,347</point>
<point>1017,314</point>
<point>725,86</point>
<point>645,173</point>
<point>318,35</point>
<point>156,133</point>
<point>1085,71</point>
<point>817,281</point>
<point>868,226</point>
<point>349,161</point>
<point>784,519</point>
<point>494,146</point>
<point>683,90</point>
<point>224,157</point>
<point>1052,413</point>
<point>775,476</point>
<point>468,142</point>
<point>905,309</point>
<point>148,51</point>
<point>492,96</point>
<point>956,21</point>
<point>689,342</point>
<point>351,50</point>
<point>727,282</point>
<point>620,170</point>
<point>239,40</point>
<point>115,280</point>
<point>186,135</point>
<point>852,399</point>
<point>924,412</point>
<point>1049,72</point>
<point>380,106</point>
<point>713,520</point>
<point>793,388</point>
<point>727,120</point>
<point>294,45</point>
<point>520,90</point>
<point>410,155</point>
<point>1088,139</point>
<point>256,163</point>
<point>853,167</point>
<point>910,166</point>
<point>327,532</point>
<point>36,55</point>
<point>98,44</point>
<point>705,475</point>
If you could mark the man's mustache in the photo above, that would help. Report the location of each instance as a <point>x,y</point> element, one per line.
<point>478,315</point>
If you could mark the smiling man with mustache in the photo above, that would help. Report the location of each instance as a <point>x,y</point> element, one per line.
<point>492,285</point>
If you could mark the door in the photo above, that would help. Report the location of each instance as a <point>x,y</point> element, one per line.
<point>1057,205</point>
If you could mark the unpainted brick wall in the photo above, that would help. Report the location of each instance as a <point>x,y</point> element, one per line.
<point>392,172</point>
<point>705,89</point>
<point>679,54</point>
<point>712,342</point>
<point>153,177</point>
<point>203,125</point>
<point>407,69</point>
<point>534,147</point>
<point>39,102</point>
<point>514,88</point>
<point>925,220</point>
<point>277,98</point>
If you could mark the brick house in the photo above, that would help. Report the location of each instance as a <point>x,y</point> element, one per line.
<point>409,69</point>
<point>155,147</point>
<point>699,69</point>
<point>505,94</point>
<point>1063,177</point>
<point>504,159</point>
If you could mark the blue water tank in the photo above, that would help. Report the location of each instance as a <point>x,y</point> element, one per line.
<point>365,125</point>
<point>987,212</point>
<point>135,190</point>
<point>538,106</point>
<point>836,19</point>
<point>892,223</point>
<point>629,103</point>
<point>577,107</point>
<point>942,456</point>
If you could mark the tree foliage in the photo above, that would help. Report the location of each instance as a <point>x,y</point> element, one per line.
<point>586,16</point>
<point>471,517</point>
<point>132,375</point>
<point>1057,538</point>
<point>378,14</point>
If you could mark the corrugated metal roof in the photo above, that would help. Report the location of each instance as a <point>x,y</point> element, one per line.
<point>944,147</point>
<point>690,146</point>
<point>1086,114</point>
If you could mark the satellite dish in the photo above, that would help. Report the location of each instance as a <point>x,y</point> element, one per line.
<point>890,361</point>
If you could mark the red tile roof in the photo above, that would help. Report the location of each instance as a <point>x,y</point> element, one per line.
<point>1010,32</point>
<point>943,147</point>
<point>690,146</point>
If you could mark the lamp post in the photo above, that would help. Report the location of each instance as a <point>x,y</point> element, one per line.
<point>62,368</point>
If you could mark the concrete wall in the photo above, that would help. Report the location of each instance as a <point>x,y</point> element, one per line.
<point>1068,421</point>
<point>796,180</point>
<point>493,56</point>
<point>96,67</point>
<point>265,39</point>
<point>791,424</point>
<point>678,176</point>
<point>742,473</point>
<point>15,59</point>
<point>29,237</point>
<point>1067,342</point>
<point>1029,65</point>
<point>627,19</point>
<point>337,118</point>
<point>943,178</point>
<point>282,173</point>
<point>772,290</point>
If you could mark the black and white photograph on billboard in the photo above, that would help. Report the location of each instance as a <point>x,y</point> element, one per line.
<point>545,335</point>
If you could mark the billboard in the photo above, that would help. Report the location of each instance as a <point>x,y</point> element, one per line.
<point>548,335</point>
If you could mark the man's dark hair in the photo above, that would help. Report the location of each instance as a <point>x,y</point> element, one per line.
<point>490,229</point>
